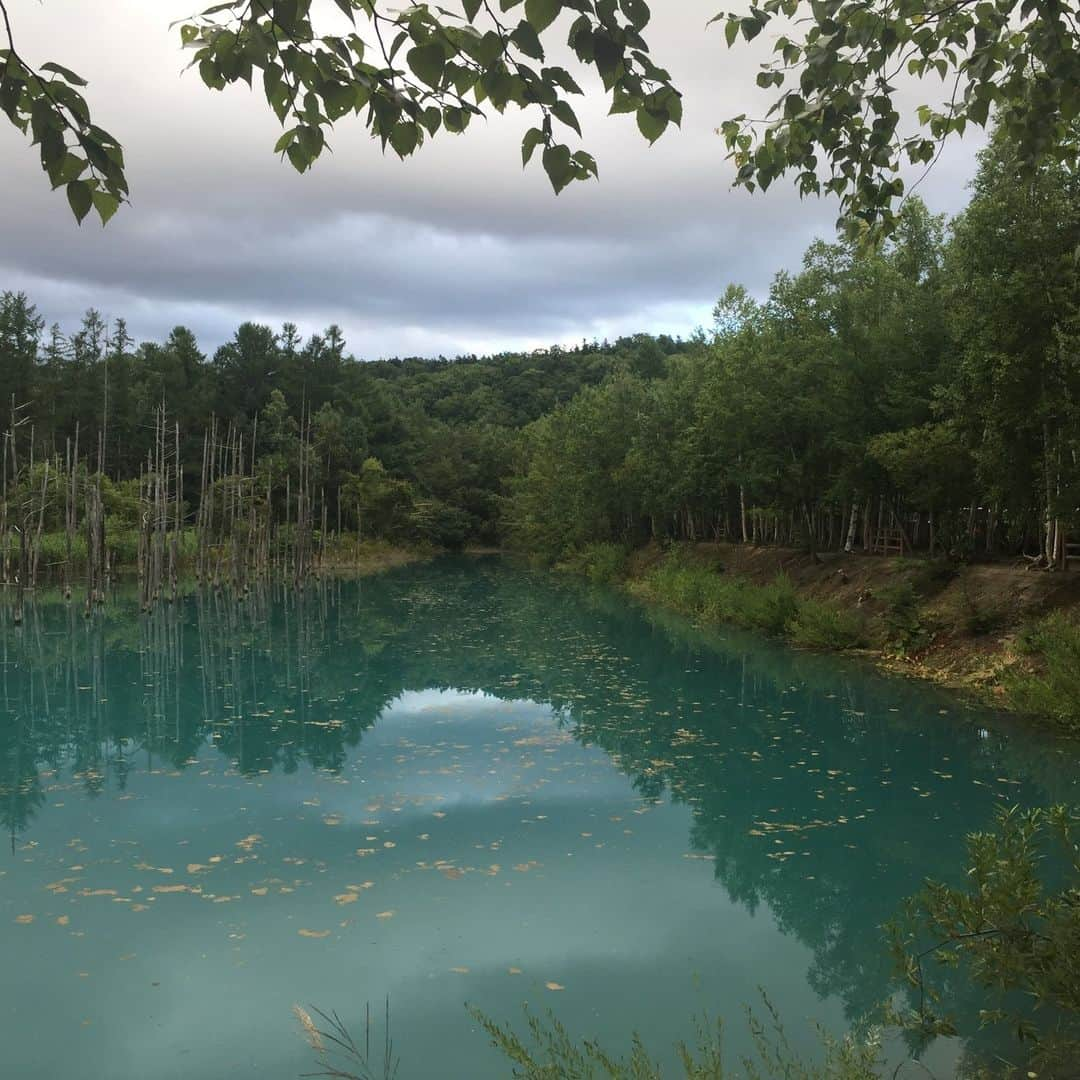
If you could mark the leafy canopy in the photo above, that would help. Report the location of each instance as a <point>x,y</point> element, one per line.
<point>412,72</point>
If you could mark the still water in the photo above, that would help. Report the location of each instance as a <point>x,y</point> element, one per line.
<point>461,782</point>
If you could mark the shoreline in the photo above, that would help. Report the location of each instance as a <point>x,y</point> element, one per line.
<point>967,621</point>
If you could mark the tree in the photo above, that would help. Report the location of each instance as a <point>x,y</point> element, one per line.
<point>414,72</point>
<point>20,339</point>
<point>837,112</point>
<point>1014,929</point>
<point>1012,283</point>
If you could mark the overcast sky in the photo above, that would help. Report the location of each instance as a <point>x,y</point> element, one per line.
<point>455,250</point>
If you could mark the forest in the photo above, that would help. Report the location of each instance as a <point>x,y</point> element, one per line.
<point>923,396</point>
<point>917,397</point>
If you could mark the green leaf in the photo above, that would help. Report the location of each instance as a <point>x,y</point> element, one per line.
<point>404,138</point>
<point>637,11</point>
<point>652,123</point>
<point>542,13</point>
<point>527,40</point>
<point>69,169</point>
<point>561,111</point>
<point>427,62</point>
<point>65,73</point>
<point>80,199</point>
<point>106,205</point>
<point>533,138</point>
<point>559,166</point>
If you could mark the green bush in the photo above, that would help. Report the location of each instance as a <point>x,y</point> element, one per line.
<point>432,521</point>
<point>603,564</point>
<point>824,626</point>
<point>696,590</point>
<point>906,628</point>
<point>770,608</point>
<point>1054,690</point>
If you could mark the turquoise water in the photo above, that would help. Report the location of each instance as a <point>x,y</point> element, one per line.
<point>462,782</point>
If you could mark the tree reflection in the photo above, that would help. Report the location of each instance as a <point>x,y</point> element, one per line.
<point>818,789</point>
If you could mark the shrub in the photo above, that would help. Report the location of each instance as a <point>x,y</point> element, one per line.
<point>824,626</point>
<point>907,629</point>
<point>978,617</point>
<point>928,575</point>
<point>603,564</point>
<point>1013,928</point>
<point>1054,690</point>
<point>770,608</point>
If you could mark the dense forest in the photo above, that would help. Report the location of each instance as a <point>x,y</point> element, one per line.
<point>921,396</point>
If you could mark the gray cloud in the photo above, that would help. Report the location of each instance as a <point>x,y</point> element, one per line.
<point>454,250</point>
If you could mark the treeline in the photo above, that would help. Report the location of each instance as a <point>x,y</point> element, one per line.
<point>924,397</point>
<point>261,453</point>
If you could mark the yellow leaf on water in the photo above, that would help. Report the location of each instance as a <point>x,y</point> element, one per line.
<point>172,888</point>
<point>314,933</point>
<point>513,971</point>
<point>262,890</point>
<point>24,920</point>
<point>385,914</point>
<point>553,986</point>
<point>194,867</point>
<point>460,970</point>
<point>346,898</point>
<point>247,844</point>
<point>63,920</point>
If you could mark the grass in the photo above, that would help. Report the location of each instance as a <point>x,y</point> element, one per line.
<point>1052,689</point>
<point>549,1053</point>
<point>826,626</point>
<point>775,609</point>
<point>343,552</point>
<point>338,1054</point>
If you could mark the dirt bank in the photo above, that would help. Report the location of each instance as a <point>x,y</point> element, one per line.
<point>971,614</point>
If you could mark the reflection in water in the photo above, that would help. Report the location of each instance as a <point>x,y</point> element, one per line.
<point>817,790</point>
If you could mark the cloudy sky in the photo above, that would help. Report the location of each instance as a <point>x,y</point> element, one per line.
<point>454,250</point>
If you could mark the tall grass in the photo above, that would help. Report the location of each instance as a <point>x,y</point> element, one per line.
<point>548,1052</point>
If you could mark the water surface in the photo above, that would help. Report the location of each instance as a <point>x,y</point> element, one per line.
<point>462,782</point>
